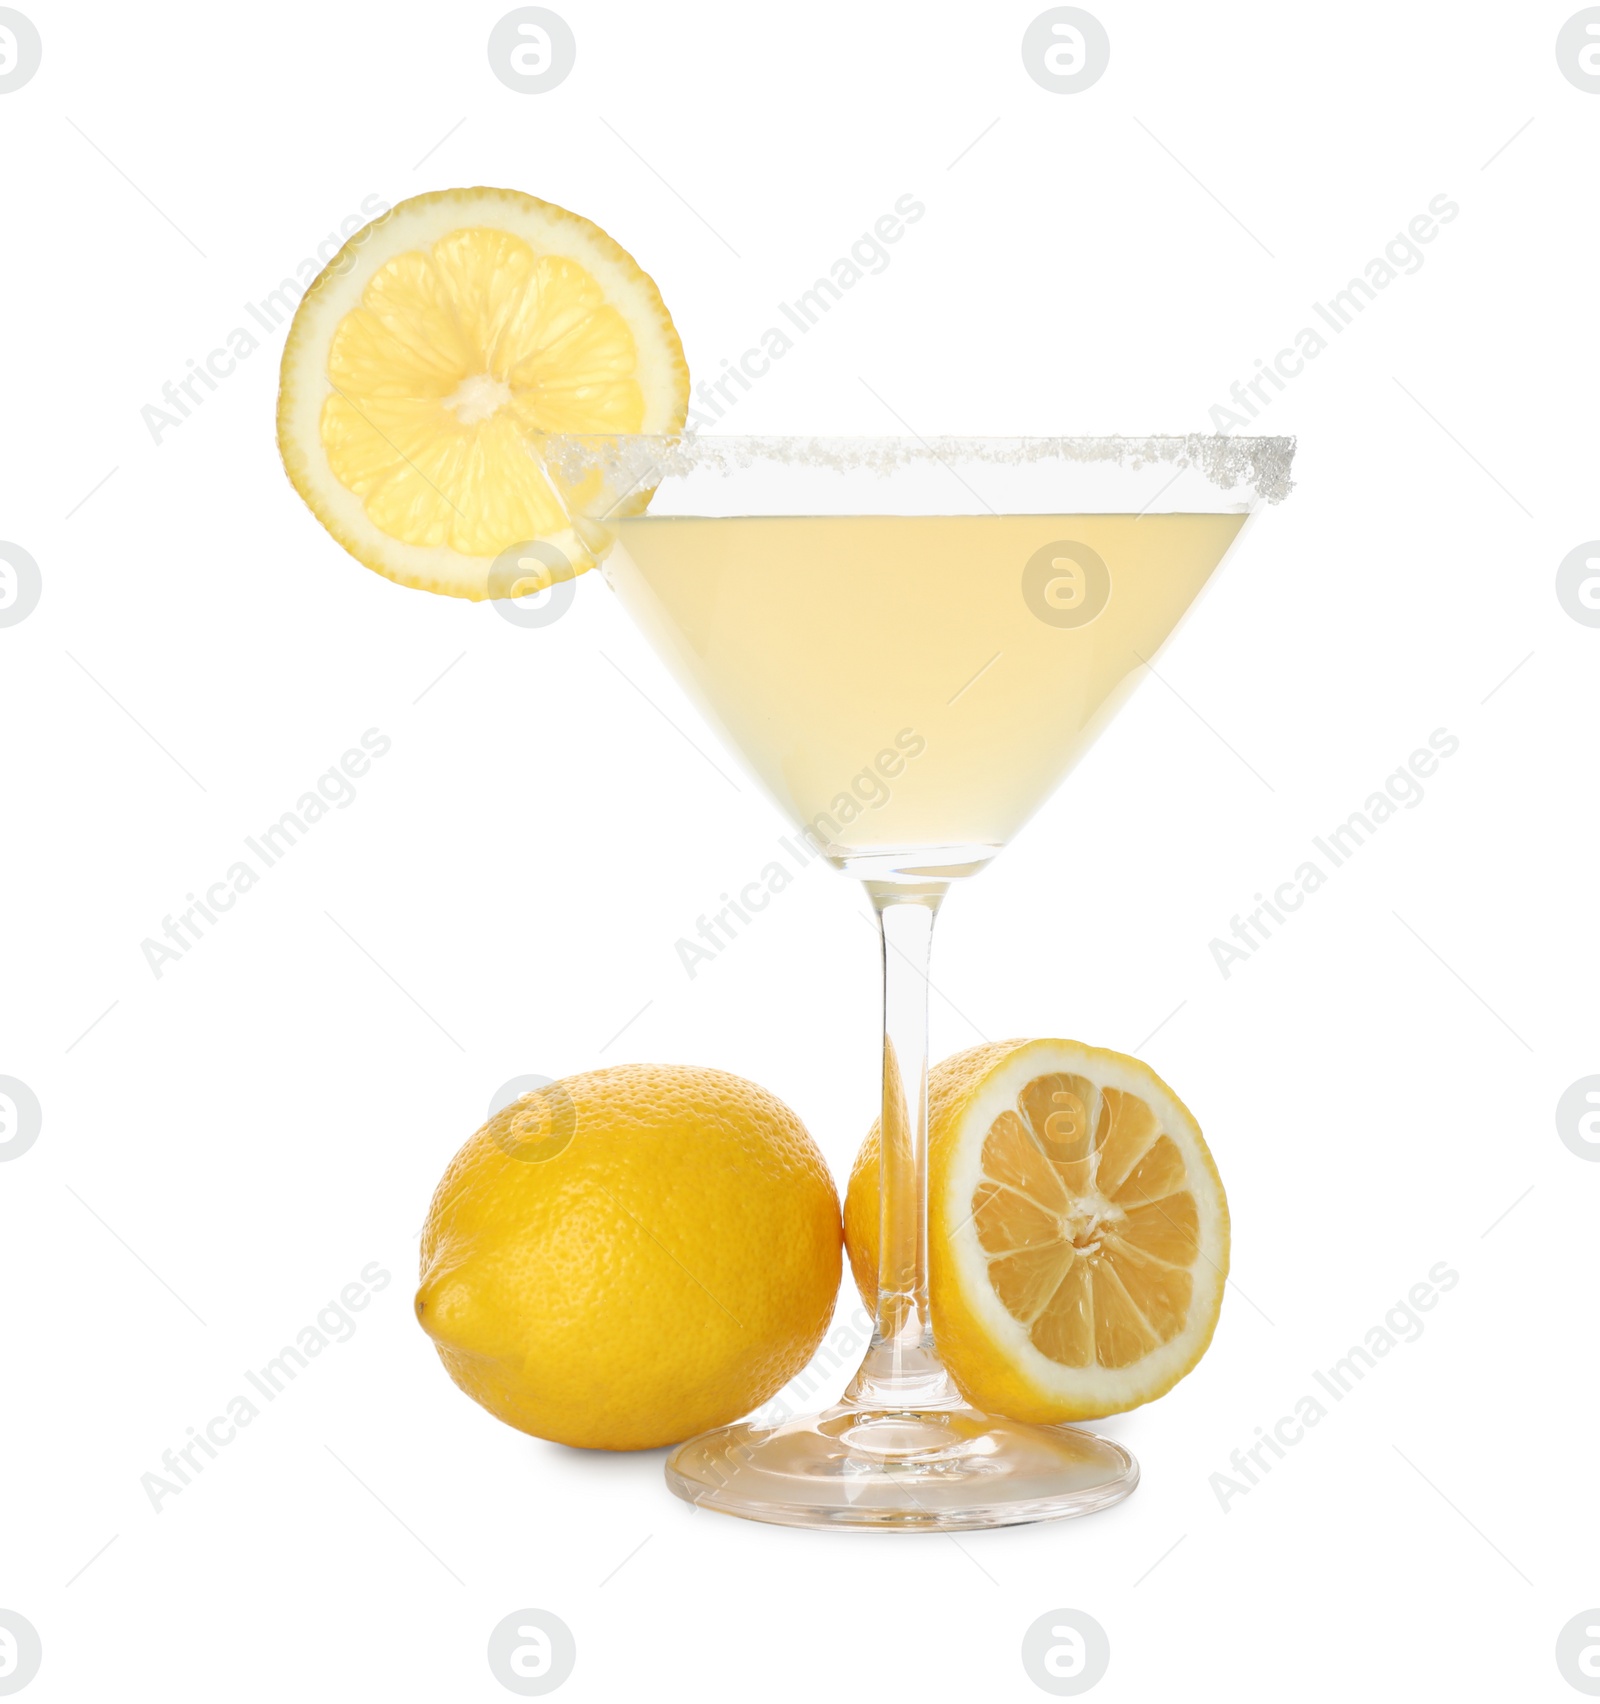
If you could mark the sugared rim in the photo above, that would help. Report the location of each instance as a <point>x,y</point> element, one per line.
<point>1262,464</point>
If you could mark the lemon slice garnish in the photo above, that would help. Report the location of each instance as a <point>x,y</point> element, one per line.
<point>428,359</point>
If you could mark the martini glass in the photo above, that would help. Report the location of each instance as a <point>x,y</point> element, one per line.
<point>910,642</point>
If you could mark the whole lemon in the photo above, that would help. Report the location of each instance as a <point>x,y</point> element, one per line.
<point>630,1256</point>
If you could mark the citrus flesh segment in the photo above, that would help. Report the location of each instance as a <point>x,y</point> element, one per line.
<point>1078,1231</point>
<point>429,358</point>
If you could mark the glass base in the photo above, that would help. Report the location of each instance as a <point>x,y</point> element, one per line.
<point>943,1469</point>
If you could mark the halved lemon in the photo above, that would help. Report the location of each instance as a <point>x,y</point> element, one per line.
<point>1077,1229</point>
<point>427,359</point>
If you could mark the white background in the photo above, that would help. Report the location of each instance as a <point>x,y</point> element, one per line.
<point>273,1112</point>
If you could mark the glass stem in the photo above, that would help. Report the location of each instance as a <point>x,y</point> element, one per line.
<point>902,1369</point>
